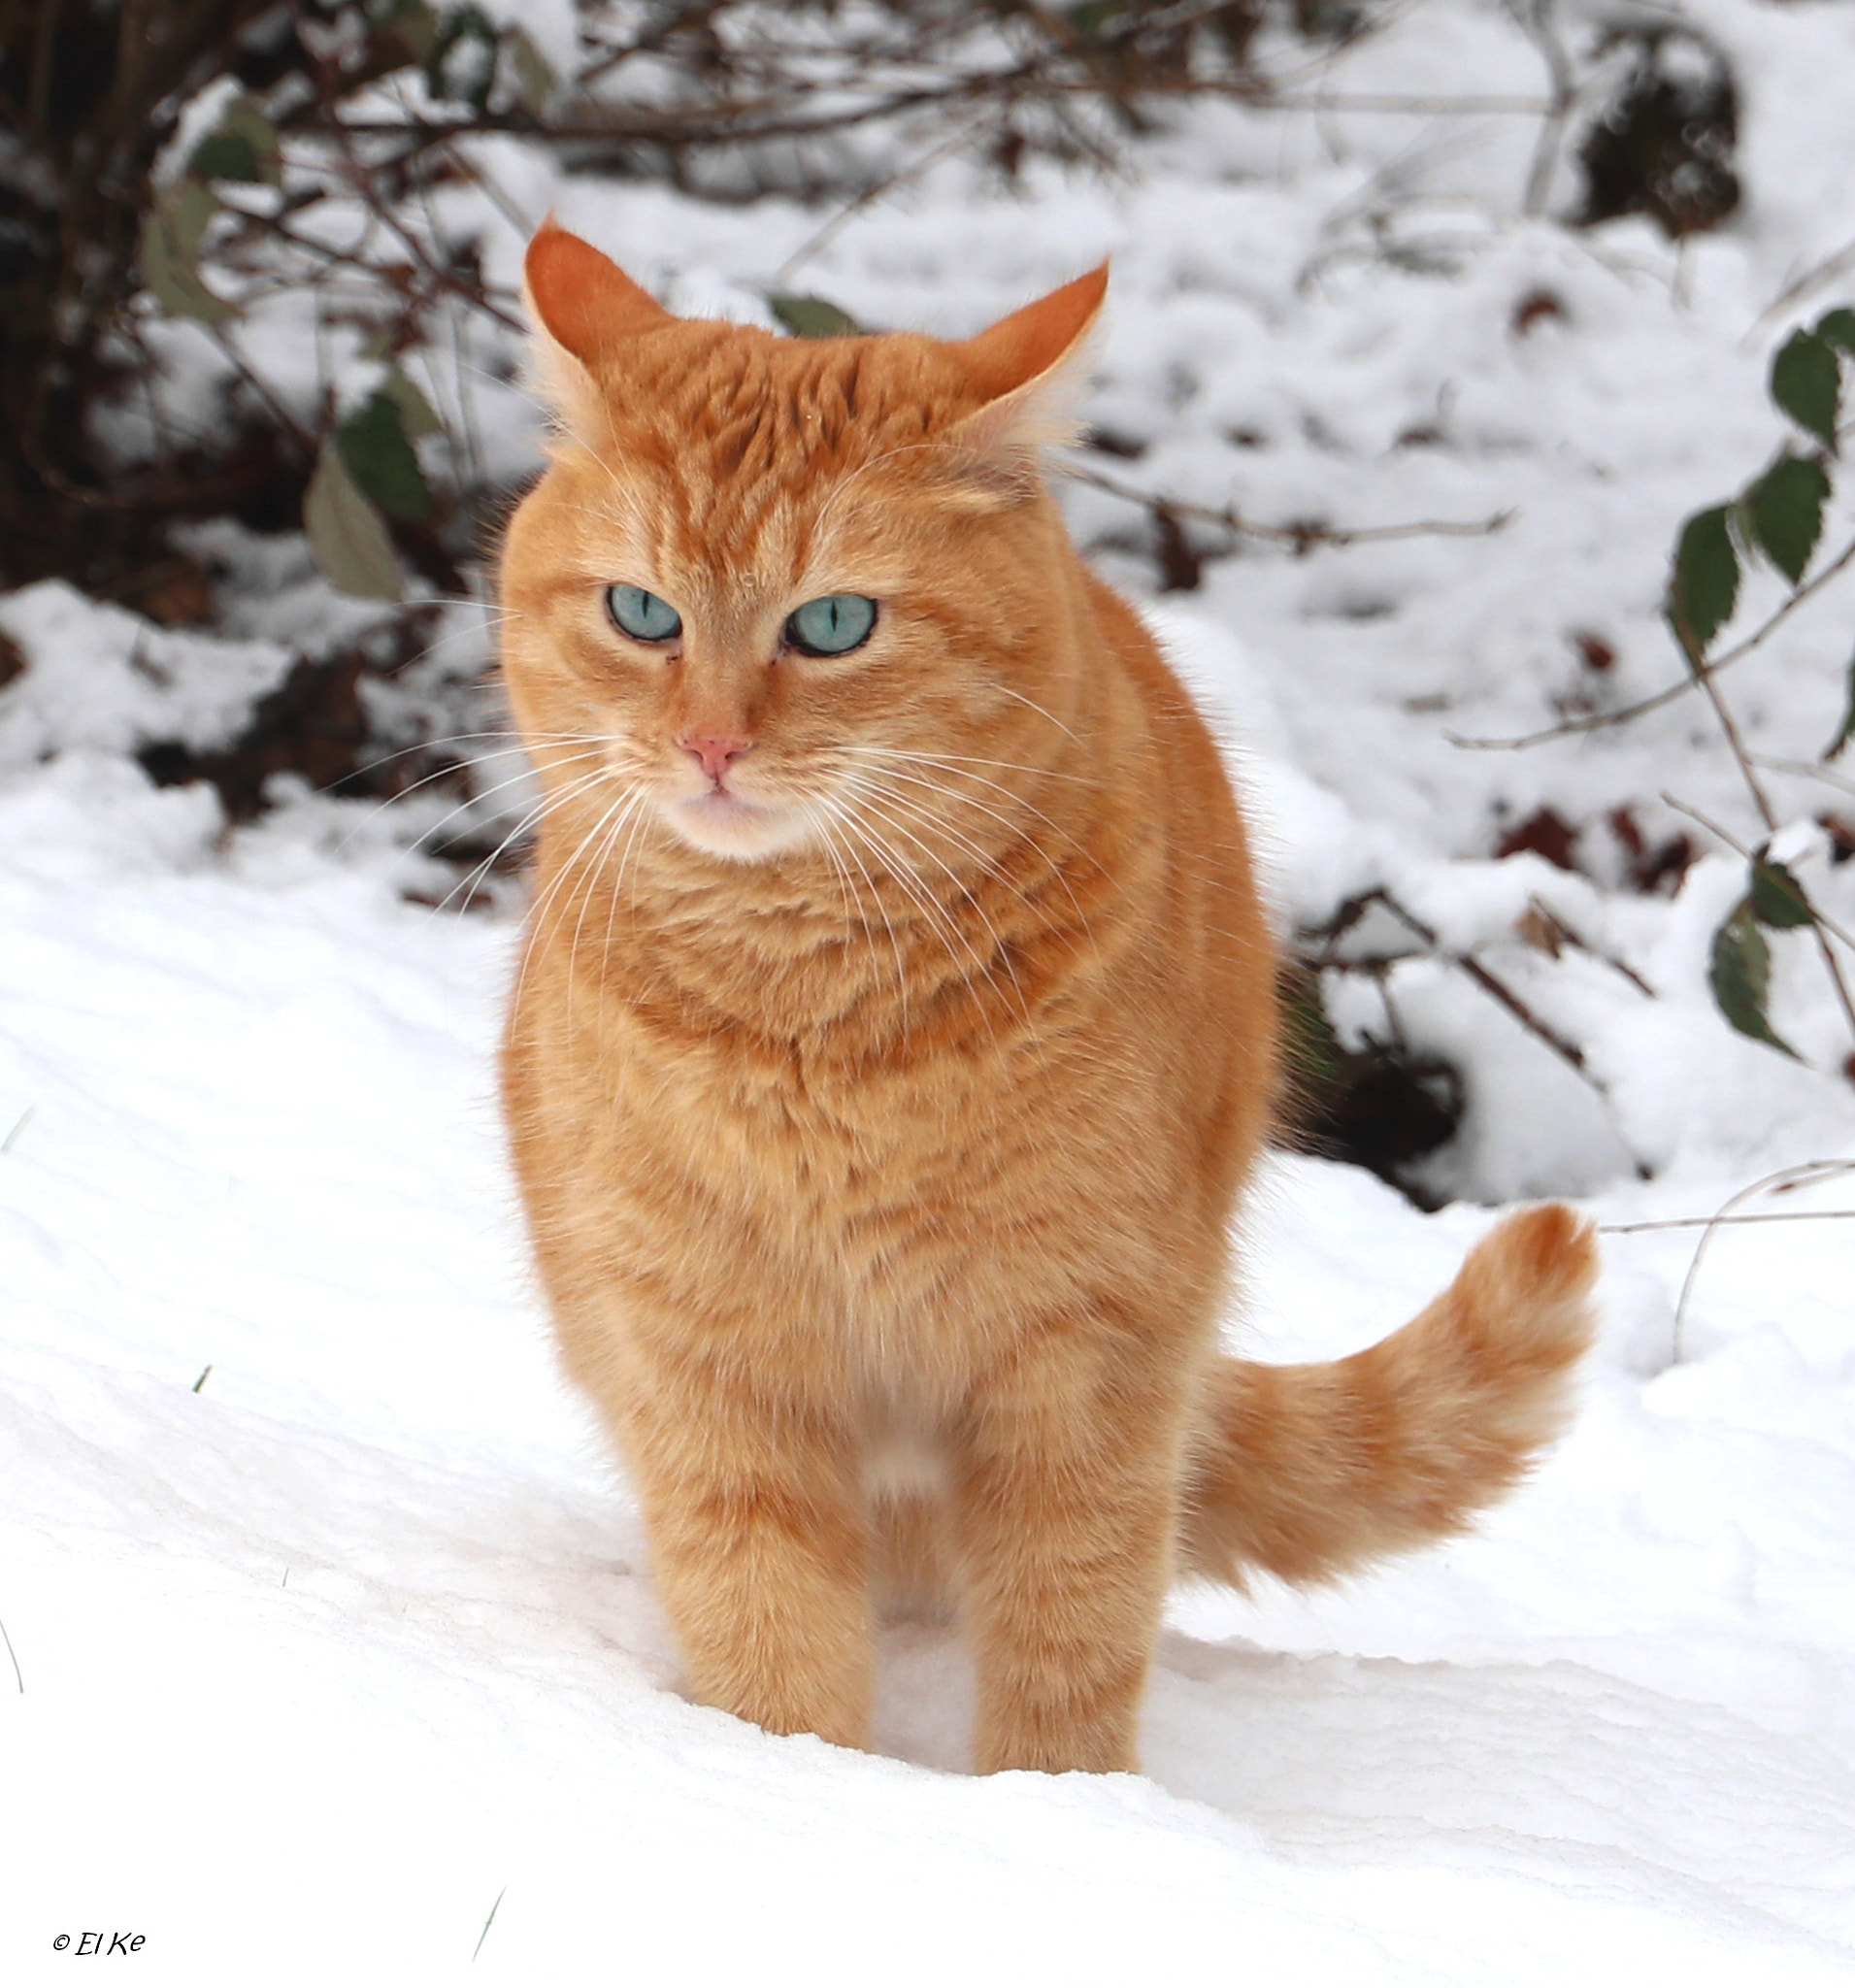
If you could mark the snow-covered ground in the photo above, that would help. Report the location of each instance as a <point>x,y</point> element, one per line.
<point>333,1624</point>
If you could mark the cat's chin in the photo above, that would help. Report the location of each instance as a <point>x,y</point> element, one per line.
<point>742,831</point>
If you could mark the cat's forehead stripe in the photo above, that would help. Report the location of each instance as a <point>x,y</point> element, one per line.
<point>743,445</point>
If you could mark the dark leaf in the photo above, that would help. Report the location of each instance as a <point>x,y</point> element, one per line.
<point>813,316</point>
<point>1546,832</point>
<point>171,231</point>
<point>346,534</point>
<point>1838,329</point>
<point>1784,508</point>
<point>1740,973</point>
<point>1776,897</point>
<point>1807,383</point>
<point>462,63</point>
<point>414,25</point>
<point>1845,731</point>
<point>243,146</point>
<point>378,455</point>
<point>226,155</point>
<point>1704,583</point>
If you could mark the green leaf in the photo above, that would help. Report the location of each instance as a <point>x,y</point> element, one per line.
<point>1784,508</point>
<point>1703,582</point>
<point>1740,973</point>
<point>225,156</point>
<point>1807,383</point>
<point>415,412</point>
<point>813,316</point>
<point>1776,898</point>
<point>530,71</point>
<point>1091,16</point>
<point>243,146</point>
<point>412,23</point>
<point>462,63</point>
<point>1845,731</point>
<point>1837,326</point>
<point>347,533</point>
<point>376,454</point>
<point>171,231</point>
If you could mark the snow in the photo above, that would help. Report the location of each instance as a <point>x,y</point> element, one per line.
<point>333,1621</point>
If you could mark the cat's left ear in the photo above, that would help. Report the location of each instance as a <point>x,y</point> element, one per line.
<point>584,308</point>
<point>1032,367</point>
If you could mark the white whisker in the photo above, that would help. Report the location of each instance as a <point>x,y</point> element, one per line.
<point>1001,949</point>
<point>971,801</point>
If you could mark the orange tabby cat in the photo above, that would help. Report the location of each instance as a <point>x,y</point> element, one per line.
<point>896,1032</point>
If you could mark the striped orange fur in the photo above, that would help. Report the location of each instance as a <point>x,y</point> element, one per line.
<point>895,1034</point>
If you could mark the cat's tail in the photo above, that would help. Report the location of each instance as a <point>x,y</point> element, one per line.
<point>1310,1473</point>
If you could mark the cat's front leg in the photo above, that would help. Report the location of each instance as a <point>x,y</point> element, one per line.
<point>1066,1498</point>
<point>760,1547</point>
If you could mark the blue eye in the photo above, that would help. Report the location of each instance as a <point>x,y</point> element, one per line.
<point>641,616</point>
<point>831,626</point>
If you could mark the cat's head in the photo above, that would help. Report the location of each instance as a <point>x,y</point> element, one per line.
<point>768,582</point>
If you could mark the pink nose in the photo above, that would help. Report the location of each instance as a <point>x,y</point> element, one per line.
<point>717,755</point>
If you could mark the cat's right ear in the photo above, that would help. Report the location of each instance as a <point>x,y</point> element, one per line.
<point>1032,368</point>
<point>583,309</point>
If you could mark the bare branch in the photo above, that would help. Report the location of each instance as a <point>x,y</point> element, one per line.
<point>1490,983</point>
<point>1302,537</point>
<point>1600,720</point>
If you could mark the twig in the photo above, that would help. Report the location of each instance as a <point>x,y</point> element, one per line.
<point>1778,1183</point>
<point>1695,678</point>
<point>756,122</point>
<point>1801,1214</point>
<point>1391,104</point>
<point>19,1124</point>
<point>255,380</point>
<point>1830,265</point>
<point>869,195</point>
<point>1821,926</point>
<point>204,1371</point>
<point>1563,931</point>
<point>1739,848</point>
<point>1490,983</point>
<point>1805,770</point>
<point>17,1678</point>
<point>1302,537</point>
<point>1534,18</point>
<point>488,1923</point>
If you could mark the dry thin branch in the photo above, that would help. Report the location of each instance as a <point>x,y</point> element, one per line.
<point>1739,848</point>
<point>1565,935</point>
<point>1830,265</point>
<point>1779,1182</point>
<point>1806,768</point>
<point>1490,983</point>
<point>1803,1214</point>
<point>1302,537</point>
<point>1393,104</point>
<point>491,1920</point>
<point>1696,677</point>
<point>868,198</point>
<point>1821,927</point>
<point>1536,23</point>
